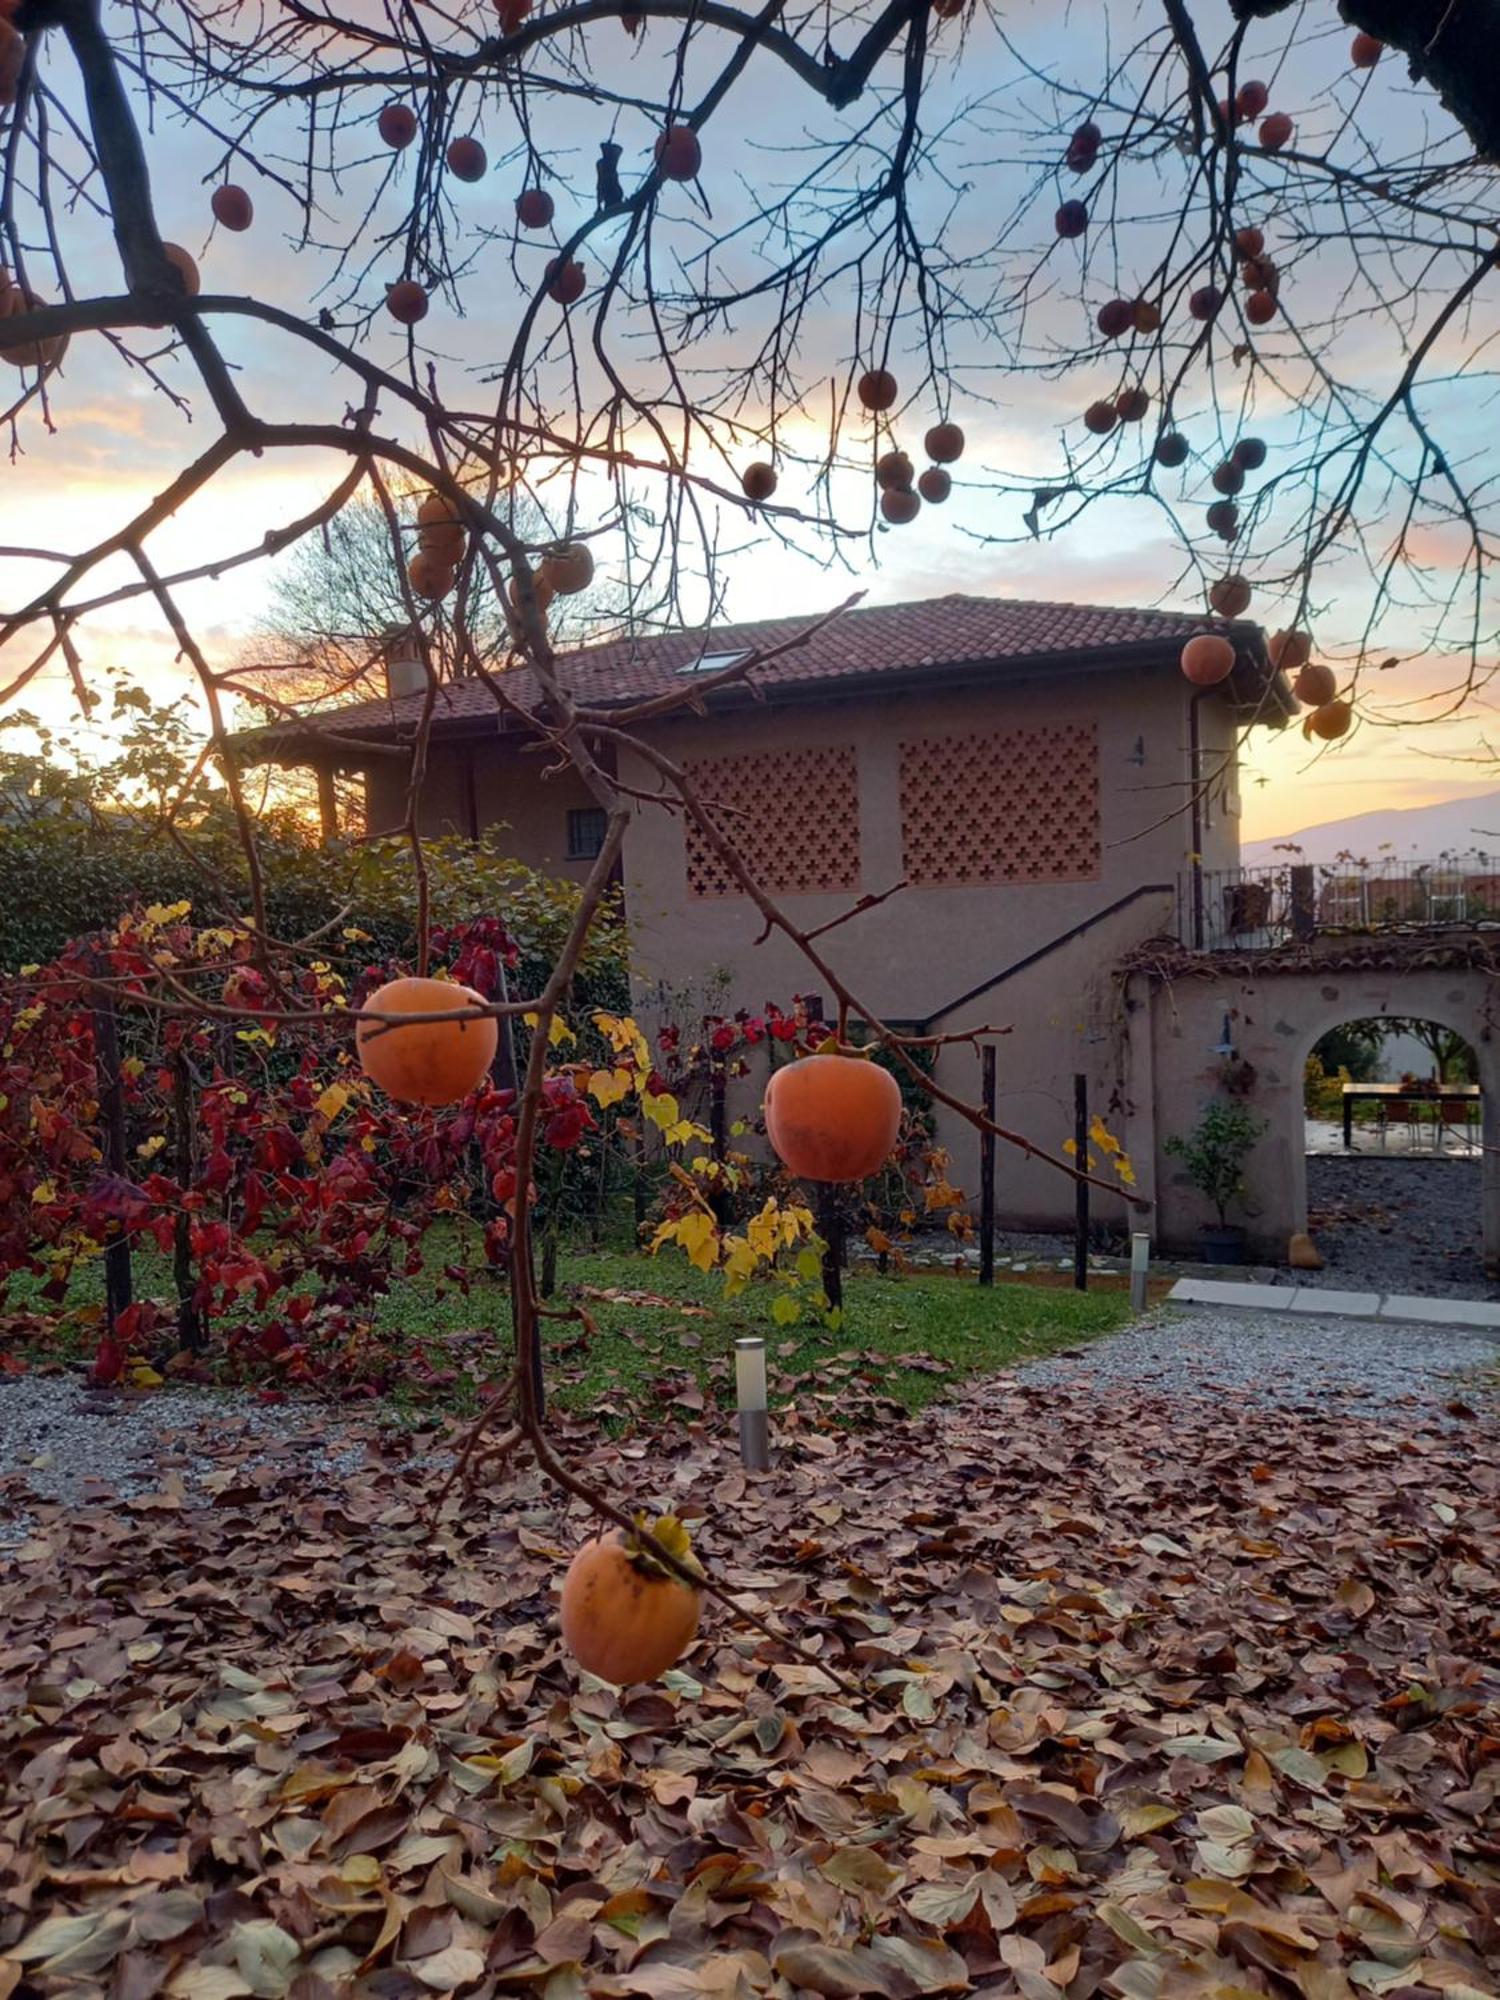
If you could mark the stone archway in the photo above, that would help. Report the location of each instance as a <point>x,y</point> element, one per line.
<point>1274,1007</point>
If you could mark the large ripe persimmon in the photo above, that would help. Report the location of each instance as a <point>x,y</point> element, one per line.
<point>397,125</point>
<point>1230,596</point>
<point>877,389</point>
<point>232,207</point>
<point>832,1118</point>
<point>1289,650</point>
<point>894,472</point>
<point>534,208</point>
<point>679,154</point>
<point>406,301</point>
<point>566,280</point>
<point>425,1062</point>
<point>1316,685</point>
<point>440,532</point>
<point>27,353</point>
<point>1207,659</point>
<point>430,574</point>
<point>1329,722</point>
<point>627,1617</point>
<point>467,158</point>
<point>944,443</point>
<point>758,480</point>
<point>569,568</point>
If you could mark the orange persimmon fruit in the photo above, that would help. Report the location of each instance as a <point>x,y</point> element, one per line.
<point>424,1062</point>
<point>627,1617</point>
<point>832,1118</point>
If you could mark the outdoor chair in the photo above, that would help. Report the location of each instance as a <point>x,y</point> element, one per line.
<point>1463,1115</point>
<point>1447,900</point>
<point>1400,1111</point>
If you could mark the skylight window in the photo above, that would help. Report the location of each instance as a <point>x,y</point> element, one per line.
<point>711,663</point>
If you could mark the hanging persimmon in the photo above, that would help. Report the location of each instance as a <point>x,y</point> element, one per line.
<point>1230,596</point>
<point>569,568</point>
<point>1316,685</point>
<point>424,1062</point>
<point>1289,650</point>
<point>627,1617</point>
<point>832,1118</point>
<point>1207,659</point>
<point>440,532</point>
<point>430,575</point>
<point>1330,721</point>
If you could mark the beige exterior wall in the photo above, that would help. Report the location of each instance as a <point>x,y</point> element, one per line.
<point>475,785</point>
<point>924,948</point>
<point>919,953</point>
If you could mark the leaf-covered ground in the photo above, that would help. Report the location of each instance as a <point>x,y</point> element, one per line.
<point>1157,1698</point>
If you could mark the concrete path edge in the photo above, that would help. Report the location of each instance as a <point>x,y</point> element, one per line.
<point>1477,1313</point>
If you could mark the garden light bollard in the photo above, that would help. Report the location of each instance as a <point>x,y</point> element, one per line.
<point>1140,1269</point>
<point>750,1393</point>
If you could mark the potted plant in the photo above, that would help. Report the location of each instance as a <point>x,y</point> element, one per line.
<point>1214,1154</point>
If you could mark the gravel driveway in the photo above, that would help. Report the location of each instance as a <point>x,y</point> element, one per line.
<point>1400,1225</point>
<point>61,1441</point>
<point>1287,1360</point>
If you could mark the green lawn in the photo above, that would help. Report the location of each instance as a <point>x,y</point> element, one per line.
<point>662,1334</point>
<point>909,1338</point>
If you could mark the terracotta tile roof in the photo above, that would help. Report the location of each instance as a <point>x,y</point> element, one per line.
<point>1461,949</point>
<point>938,635</point>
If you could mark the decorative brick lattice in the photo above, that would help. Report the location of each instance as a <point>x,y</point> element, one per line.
<point>793,814</point>
<point>1017,807</point>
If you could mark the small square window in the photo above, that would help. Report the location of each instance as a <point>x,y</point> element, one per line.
<point>587,826</point>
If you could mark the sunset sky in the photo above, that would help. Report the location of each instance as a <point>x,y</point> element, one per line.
<point>118,440</point>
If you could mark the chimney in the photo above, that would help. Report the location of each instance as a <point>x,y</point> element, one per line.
<point>404,671</point>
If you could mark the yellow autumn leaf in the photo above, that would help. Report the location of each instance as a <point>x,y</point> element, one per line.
<point>740,1261</point>
<point>696,1232</point>
<point>662,1111</point>
<point>608,1086</point>
<point>332,1102</point>
<point>144,1376</point>
<point>149,1148</point>
<point>624,1037</point>
<point>43,1193</point>
<point>558,1030</point>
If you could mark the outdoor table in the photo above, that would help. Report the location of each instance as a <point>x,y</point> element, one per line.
<point>1373,1093</point>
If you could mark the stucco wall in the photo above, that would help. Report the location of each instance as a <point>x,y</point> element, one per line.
<point>1065,1017</point>
<point>925,947</point>
<point>1274,1020</point>
<point>485,783</point>
<point>919,953</point>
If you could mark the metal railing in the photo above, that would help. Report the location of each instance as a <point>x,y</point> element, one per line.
<point>1241,909</point>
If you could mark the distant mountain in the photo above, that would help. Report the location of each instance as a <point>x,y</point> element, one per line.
<point>1411,833</point>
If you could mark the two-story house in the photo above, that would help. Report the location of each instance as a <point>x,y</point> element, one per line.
<point>1039,778</point>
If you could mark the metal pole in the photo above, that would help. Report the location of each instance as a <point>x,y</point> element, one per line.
<point>118,1290</point>
<point>750,1392</point>
<point>1140,1269</point>
<point>987,1168</point>
<point>1081,1186</point>
<point>189,1322</point>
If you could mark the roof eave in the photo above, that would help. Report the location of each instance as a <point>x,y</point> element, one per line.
<point>1266,696</point>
